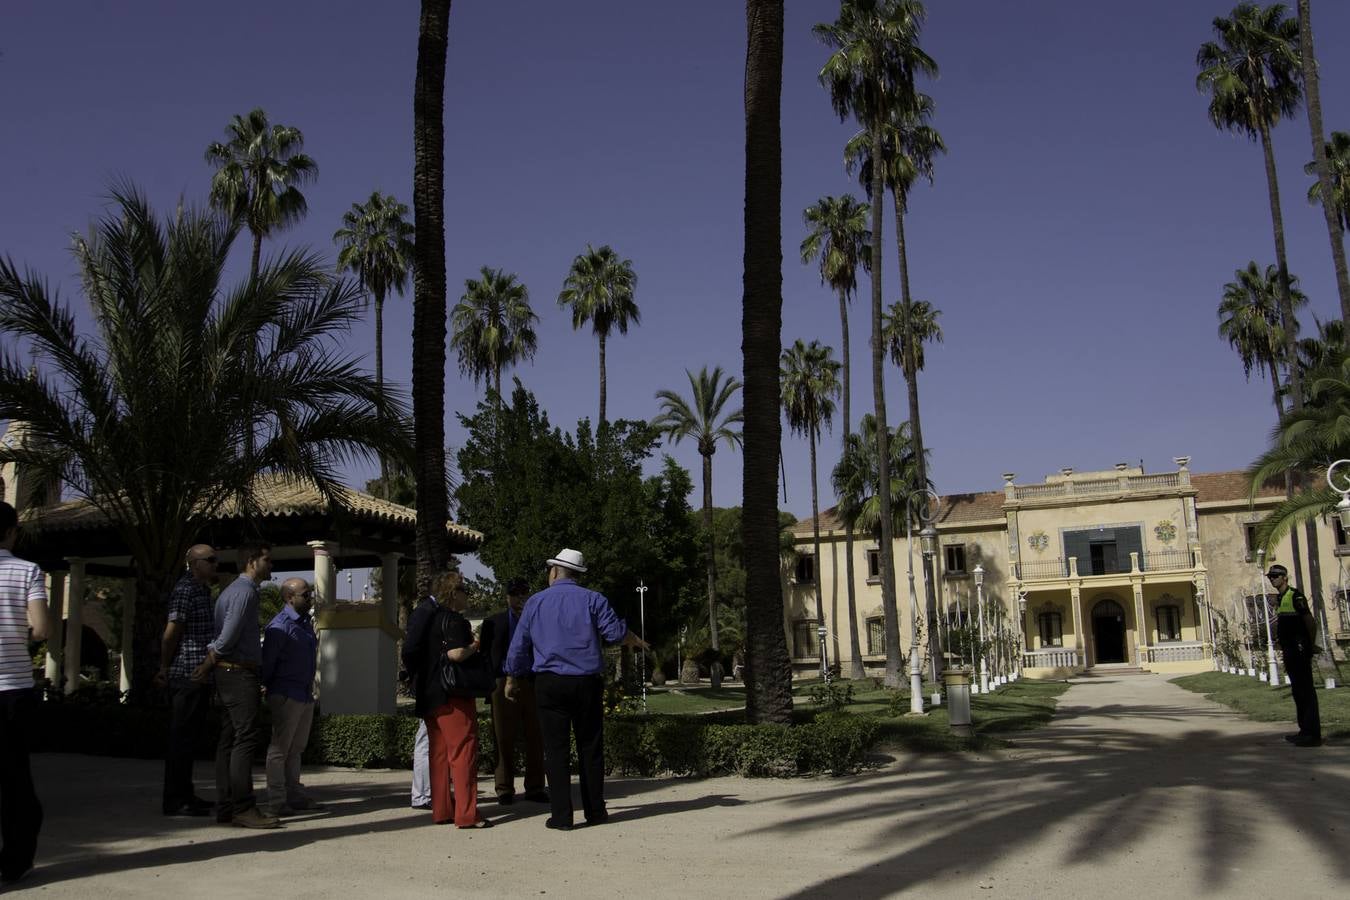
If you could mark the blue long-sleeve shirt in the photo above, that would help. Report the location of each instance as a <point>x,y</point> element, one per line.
<point>562,630</point>
<point>289,655</point>
<point>236,620</point>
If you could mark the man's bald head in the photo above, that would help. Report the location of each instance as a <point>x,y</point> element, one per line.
<point>296,593</point>
<point>201,562</point>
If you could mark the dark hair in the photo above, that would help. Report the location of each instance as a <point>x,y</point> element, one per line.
<point>253,550</point>
<point>9,518</point>
<point>516,587</point>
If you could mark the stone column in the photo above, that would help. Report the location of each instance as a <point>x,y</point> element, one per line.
<point>56,606</point>
<point>325,575</point>
<point>74,622</point>
<point>1140,626</point>
<point>128,619</point>
<point>1076,601</point>
<point>389,584</point>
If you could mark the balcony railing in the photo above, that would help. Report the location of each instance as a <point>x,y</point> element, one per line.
<point>1043,569</point>
<point>1050,658</point>
<point>1122,484</point>
<point>1167,560</point>
<point>1188,651</point>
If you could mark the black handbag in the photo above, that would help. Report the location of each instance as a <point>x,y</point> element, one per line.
<point>471,678</point>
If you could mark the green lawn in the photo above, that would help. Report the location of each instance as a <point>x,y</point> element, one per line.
<point>1256,701</point>
<point>1024,705</point>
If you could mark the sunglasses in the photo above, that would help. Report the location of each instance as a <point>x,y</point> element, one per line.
<point>206,559</point>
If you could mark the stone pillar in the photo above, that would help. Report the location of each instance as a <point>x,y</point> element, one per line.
<point>128,619</point>
<point>56,606</point>
<point>389,584</point>
<point>1079,644</point>
<point>325,575</point>
<point>1140,626</point>
<point>74,622</point>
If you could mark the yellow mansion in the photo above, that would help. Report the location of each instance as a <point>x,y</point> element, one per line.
<point>1082,570</point>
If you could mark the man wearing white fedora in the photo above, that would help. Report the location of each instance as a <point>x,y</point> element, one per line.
<point>559,639</point>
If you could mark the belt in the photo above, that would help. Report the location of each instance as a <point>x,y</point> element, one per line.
<point>247,667</point>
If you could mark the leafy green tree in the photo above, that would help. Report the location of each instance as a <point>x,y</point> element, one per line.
<point>376,243</point>
<point>492,327</point>
<point>856,478</point>
<point>838,238</point>
<point>705,418</point>
<point>1249,319</point>
<point>1338,170</point>
<point>429,300</point>
<point>259,170</point>
<point>599,289</point>
<point>918,323</point>
<point>1322,156</point>
<point>147,418</point>
<point>810,381</point>
<point>873,68</point>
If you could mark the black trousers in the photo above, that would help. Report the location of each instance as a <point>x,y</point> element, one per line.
<point>20,811</point>
<point>573,704</point>
<point>237,692</point>
<point>188,703</point>
<point>1298,666</point>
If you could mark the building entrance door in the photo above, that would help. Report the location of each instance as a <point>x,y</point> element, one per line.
<point>1108,632</point>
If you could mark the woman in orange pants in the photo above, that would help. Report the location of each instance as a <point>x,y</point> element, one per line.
<point>452,722</point>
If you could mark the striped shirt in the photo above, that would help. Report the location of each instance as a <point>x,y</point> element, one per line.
<point>21,583</point>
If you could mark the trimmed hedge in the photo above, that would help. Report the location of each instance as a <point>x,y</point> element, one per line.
<point>678,745</point>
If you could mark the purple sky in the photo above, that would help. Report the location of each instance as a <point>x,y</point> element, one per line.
<point>1076,240</point>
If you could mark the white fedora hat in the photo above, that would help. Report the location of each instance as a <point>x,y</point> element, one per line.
<point>568,559</point>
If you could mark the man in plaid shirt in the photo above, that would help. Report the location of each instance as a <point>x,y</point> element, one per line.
<point>191,627</point>
<point>23,615</point>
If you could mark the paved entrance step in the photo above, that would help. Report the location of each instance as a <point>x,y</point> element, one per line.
<point>1100,671</point>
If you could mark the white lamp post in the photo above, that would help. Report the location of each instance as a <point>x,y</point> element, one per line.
<point>642,654</point>
<point>1022,626</point>
<point>979,594</point>
<point>928,542</point>
<point>1274,672</point>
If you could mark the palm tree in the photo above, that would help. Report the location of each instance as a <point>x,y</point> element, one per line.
<point>1251,76</point>
<point>492,327</point>
<point>1337,152</point>
<point>702,418</point>
<point>429,303</point>
<point>147,417</point>
<point>258,174</point>
<point>855,478</point>
<point>873,67</point>
<point>810,381</point>
<point>1334,214</point>
<point>838,239</point>
<point>920,325</point>
<point>1249,319</point>
<point>599,289</point>
<point>375,242</point>
<point>769,670</point>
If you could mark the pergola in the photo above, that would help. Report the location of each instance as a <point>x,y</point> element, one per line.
<point>308,531</point>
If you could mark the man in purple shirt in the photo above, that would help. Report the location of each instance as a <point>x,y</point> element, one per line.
<point>289,655</point>
<point>559,638</point>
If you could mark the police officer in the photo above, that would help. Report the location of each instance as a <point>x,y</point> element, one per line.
<point>1297,634</point>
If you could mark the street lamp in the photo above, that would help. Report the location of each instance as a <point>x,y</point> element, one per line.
<point>642,654</point>
<point>1022,629</point>
<point>928,544</point>
<point>926,512</point>
<point>1265,614</point>
<point>979,593</point>
<point>1342,508</point>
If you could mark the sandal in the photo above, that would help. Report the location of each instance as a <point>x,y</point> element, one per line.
<point>481,823</point>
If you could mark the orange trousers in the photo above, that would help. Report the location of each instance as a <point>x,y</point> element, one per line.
<point>452,731</point>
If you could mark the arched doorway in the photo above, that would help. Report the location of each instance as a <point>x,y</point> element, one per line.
<point>1108,631</point>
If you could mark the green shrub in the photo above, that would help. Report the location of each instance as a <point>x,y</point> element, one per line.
<point>831,696</point>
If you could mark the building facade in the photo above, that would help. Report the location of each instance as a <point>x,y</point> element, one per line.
<point>1114,568</point>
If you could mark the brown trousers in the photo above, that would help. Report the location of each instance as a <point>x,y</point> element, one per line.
<point>513,720</point>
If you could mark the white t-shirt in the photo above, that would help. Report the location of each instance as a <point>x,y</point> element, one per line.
<point>21,583</point>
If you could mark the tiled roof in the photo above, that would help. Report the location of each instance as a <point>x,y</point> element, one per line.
<point>275,496</point>
<point>1235,485</point>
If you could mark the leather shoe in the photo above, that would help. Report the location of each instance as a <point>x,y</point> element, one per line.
<point>421,805</point>
<point>557,826</point>
<point>598,820</point>
<point>254,818</point>
<point>506,799</point>
<point>1293,737</point>
<point>1308,740</point>
<point>15,875</point>
<point>536,796</point>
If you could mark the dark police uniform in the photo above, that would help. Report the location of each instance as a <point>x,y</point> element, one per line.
<point>1298,649</point>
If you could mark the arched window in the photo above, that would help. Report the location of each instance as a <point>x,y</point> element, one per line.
<point>1051,626</point>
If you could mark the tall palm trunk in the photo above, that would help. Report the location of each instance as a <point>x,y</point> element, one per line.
<point>915,428</point>
<point>815,546</point>
<point>1313,93</point>
<point>429,307</point>
<point>1291,355</point>
<point>891,617</point>
<point>602,384</point>
<point>379,383</point>
<point>769,683</point>
<point>715,671</point>
<point>855,665</point>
